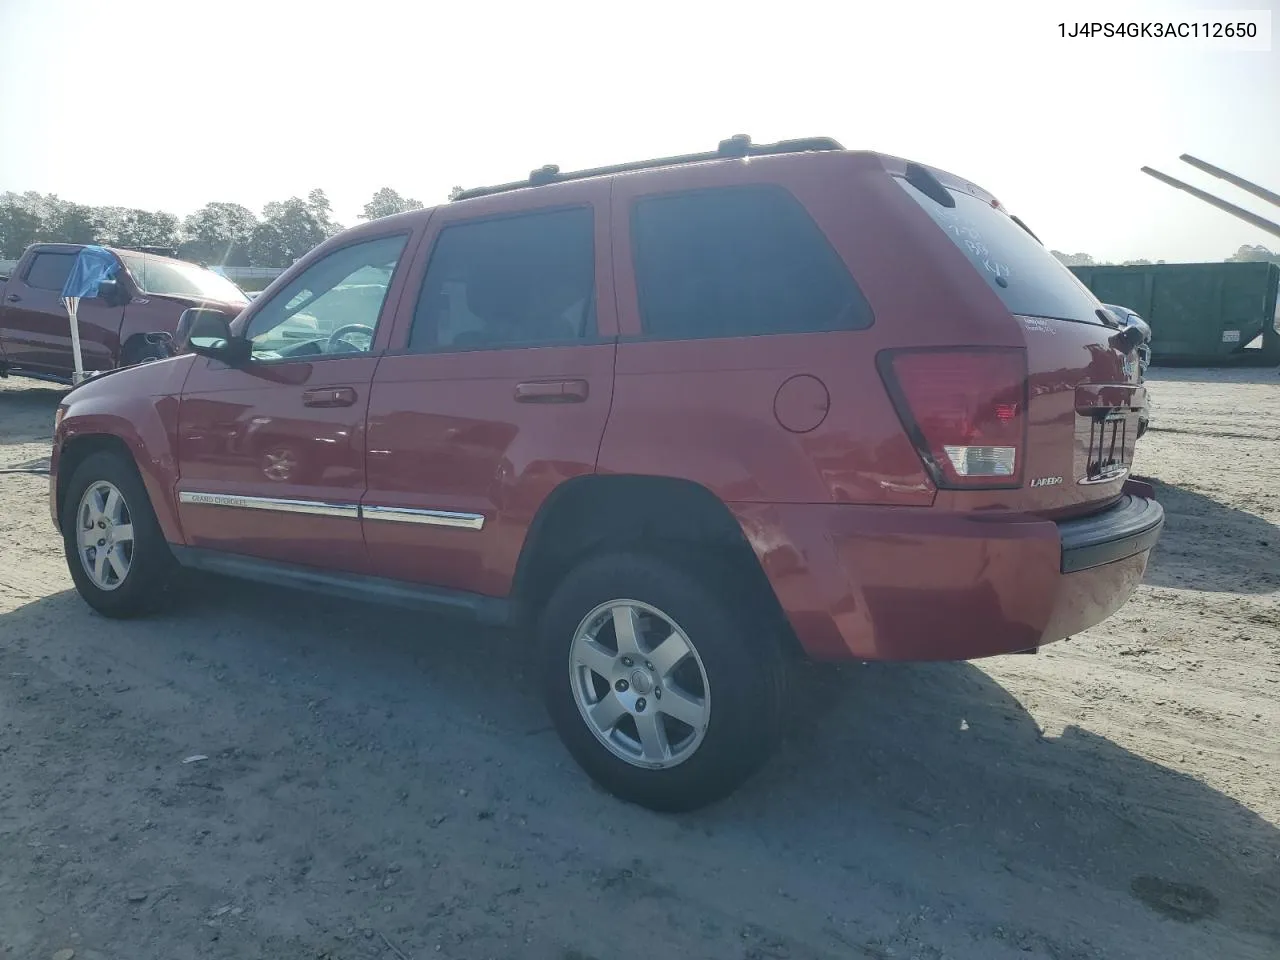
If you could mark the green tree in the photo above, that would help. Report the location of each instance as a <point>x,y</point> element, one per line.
<point>1252,254</point>
<point>1074,259</point>
<point>386,202</point>
<point>19,225</point>
<point>127,227</point>
<point>455,193</point>
<point>219,233</point>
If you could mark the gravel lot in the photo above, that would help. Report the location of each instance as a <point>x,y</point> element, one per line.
<point>381,785</point>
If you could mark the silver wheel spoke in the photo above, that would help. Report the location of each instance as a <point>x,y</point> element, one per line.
<point>116,558</point>
<point>100,567</point>
<point>626,628</point>
<point>123,533</point>
<point>594,657</point>
<point>683,707</point>
<point>89,537</point>
<point>667,654</point>
<point>653,738</point>
<point>607,712</point>
<point>112,507</point>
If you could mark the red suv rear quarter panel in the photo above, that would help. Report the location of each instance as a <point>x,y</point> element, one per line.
<point>868,559</point>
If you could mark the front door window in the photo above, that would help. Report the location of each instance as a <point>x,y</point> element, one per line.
<point>331,308</point>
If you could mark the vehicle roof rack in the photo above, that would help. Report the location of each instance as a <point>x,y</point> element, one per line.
<point>735,147</point>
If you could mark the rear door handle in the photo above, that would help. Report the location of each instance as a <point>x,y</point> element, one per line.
<point>13,298</point>
<point>551,391</point>
<point>329,397</point>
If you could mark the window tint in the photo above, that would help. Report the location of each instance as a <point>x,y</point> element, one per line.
<point>343,290</point>
<point>1024,275</point>
<point>525,279</point>
<point>49,271</point>
<point>739,261</point>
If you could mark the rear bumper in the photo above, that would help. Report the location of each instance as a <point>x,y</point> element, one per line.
<point>901,583</point>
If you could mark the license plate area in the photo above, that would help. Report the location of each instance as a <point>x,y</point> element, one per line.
<point>1108,450</point>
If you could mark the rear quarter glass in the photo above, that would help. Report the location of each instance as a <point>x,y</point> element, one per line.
<point>1027,278</point>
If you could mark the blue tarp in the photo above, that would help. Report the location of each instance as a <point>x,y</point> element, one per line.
<point>94,265</point>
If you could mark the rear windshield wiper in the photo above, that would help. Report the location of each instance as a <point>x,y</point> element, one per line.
<point>922,179</point>
<point>1019,222</point>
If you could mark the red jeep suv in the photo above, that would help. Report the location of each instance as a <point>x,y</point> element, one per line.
<point>684,419</point>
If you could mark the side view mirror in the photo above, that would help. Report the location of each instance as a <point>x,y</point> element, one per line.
<point>208,333</point>
<point>112,293</point>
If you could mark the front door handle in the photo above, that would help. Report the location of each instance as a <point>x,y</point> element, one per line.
<point>551,391</point>
<point>329,397</point>
<point>13,298</point>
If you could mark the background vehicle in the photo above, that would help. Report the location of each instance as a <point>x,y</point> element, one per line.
<point>1131,319</point>
<point>117,328</point>
<point>678,422</point>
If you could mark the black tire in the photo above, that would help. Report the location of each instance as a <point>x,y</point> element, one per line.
<point>744,667</point>
<point>151,565</point>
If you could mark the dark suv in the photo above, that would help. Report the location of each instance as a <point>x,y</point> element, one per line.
<point>676,422</point>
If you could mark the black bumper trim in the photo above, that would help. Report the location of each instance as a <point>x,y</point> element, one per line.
<point>1131,526</point>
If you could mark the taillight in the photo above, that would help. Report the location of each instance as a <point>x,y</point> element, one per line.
<point>965,410</point>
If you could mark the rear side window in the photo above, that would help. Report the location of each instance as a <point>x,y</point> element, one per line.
<point>49,271</point>
<point>1024,275</point>
<point>739,261</point>
<point>521,280</point>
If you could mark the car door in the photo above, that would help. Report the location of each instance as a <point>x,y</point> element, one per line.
<point>497,386</point>
<point>36,329</point>
<point>271,454</point>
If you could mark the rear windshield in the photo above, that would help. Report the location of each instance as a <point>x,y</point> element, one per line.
<point>1026,276</point>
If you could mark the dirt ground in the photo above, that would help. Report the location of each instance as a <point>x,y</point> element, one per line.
<point>382,785</point>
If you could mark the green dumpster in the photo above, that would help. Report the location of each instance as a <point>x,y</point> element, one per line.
<point>1200,313</point>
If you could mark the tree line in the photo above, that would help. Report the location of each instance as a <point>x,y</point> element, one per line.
<point>218,233</point>
<point>1247,253</point>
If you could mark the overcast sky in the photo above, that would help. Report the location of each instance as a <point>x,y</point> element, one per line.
<point>172,103</point>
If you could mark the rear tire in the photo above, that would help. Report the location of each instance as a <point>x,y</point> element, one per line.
<point>115,550</point>
<point>723,694</point>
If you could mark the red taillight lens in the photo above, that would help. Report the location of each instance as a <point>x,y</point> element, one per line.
<point>966,412</point>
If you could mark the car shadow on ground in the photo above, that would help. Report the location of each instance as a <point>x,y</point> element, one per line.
<point>1209,546</point>
<point>893,772</point>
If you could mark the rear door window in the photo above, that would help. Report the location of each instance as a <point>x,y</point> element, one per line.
<point>1024,275</point>
<point>738,261</point>
<point>49,271</point>
<point>519,280</point>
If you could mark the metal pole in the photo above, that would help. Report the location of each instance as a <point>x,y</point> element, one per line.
<point>72,303</point>
<point>1246,185</point>
<point>1251,218</point>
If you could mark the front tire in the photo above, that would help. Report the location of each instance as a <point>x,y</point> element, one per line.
<point>661,683</point>
<point>115,550</point>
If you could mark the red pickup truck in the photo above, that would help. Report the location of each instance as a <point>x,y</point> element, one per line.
<point>117,328</point>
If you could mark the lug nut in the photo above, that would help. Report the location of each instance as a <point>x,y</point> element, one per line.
<point>102,543</point>
<point>627,661</point>
<point>621,686</point>
<point>648,665</point>
<point>641,704</point>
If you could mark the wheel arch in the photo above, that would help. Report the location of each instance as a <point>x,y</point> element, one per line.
<point>587,514</point>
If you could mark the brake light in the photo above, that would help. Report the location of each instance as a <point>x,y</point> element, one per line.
<point>965,410</point>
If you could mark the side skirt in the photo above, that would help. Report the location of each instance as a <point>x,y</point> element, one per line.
<point>492,611</point>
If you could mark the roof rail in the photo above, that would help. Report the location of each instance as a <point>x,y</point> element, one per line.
<point>735,147</point>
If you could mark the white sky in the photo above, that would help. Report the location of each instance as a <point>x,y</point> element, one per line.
<point>172,103</point>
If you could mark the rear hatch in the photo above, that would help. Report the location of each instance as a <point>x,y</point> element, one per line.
<point>1079,415</point>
